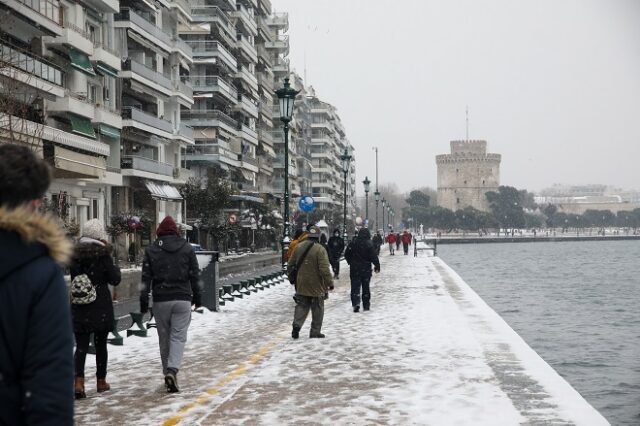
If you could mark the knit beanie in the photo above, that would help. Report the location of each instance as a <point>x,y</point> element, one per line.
<point>94,229</point>
<point>167,227</point>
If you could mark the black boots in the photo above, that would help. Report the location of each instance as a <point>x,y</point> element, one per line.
<point>171,381</point>
<point>356,308</point>
<point>295,333</point>
<point>316,336</point>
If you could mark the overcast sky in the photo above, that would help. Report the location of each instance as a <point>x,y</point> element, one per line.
<point>552,85</point>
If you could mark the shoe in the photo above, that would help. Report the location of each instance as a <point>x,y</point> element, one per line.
<point>356,308</point>
<point>365,309</point>
<point>295,333</point>
<point>103,386</point>
<point>171,381</point>
<point>316,336</point>
<point>79,388</point>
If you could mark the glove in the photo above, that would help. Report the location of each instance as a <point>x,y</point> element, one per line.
<point>376,270</point>
<point>331,287</point>
<point>144,306</point>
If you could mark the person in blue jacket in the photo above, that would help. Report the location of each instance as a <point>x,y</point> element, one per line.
<point>36,339</point>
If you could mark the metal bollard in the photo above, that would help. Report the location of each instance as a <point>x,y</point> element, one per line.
<point>117,339</point>
<point>259,281</point>
<point>137,317</point>
<point>236,290</point>
<point>227,290</point>
<point>244,287</point>
<point>252,285</point>
<point>220,298</point>
<point>209,279</point>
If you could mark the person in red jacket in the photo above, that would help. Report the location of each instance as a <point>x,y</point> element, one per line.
<point>391,239</point>
<point>406,240</point>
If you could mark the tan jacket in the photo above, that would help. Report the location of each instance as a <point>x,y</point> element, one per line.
<point>314,275</point>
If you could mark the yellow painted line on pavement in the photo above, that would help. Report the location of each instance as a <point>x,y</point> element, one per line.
<point>215,389</point>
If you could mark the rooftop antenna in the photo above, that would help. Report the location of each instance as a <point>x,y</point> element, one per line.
<point>467,123</point>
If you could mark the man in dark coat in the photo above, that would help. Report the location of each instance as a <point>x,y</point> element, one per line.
<point>92,257</point>
<point>336,247</point>
<point>170,270</point>
<point>36,341</point>
<point>360,255</point>
<point>377,243</point>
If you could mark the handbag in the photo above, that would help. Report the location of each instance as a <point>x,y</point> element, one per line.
<point>82,290</point>
<point>292,275</point>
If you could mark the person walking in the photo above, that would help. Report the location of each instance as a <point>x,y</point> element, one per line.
<point>36,338</point>
<point>377,243</point>
<point>170,271</point>
<point>398,241</point>
<point>313,281</point>
<point>406,240</point>
<point>391,239</point>
<point>360,255</point>
<point>92,257</point>
<point>336,248</point>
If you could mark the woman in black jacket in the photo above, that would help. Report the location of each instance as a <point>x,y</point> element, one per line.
<point>92,257</point>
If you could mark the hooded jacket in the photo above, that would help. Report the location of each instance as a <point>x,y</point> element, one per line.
<point>361,254</point>
<point>336,246</point>
<point>95,260</point>
<point>170,270</point>
<point>36,341</point>
<point>314,275</point>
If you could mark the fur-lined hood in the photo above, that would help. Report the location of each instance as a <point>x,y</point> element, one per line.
<point>34,228</point>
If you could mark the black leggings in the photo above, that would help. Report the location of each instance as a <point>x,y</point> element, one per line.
<point>82,346</point>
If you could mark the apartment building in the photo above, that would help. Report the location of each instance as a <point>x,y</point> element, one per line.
<point>154,88</point>
<point>58,77</point>
<point>225,114</point>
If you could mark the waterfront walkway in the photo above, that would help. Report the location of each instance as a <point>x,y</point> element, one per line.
<point>429,352</point>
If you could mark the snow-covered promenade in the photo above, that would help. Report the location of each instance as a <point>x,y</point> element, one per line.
<point>430,352</point>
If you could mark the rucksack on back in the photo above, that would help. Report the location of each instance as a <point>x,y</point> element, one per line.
<point>82,290</point>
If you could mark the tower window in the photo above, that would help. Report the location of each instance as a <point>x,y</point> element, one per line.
<point>465,182</point>
<point>483,182</point>
<point>458,200</point>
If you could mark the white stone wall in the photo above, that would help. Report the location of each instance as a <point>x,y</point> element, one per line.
<point>465,175</point>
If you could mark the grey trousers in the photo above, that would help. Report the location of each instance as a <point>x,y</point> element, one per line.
<point>172,320</point>
<point>303,305</point>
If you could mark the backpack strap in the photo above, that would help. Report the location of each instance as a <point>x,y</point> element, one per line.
<point>306,251</point>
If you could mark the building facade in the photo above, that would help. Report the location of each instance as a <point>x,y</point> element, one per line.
<point>466,175</point>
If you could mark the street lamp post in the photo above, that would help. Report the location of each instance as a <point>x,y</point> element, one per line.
<point>286,96</point>
<point>384,203</point>
<point>377,197</point>
<point>346,164</point>
<point>366,183</point>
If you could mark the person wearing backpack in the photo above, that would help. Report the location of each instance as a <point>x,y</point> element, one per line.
<point>308,268</point>
<point>360,255</point>
<point>92,271</point>
<point>36,339</point>
<point>170,271</point>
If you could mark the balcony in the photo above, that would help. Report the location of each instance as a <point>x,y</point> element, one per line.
<point>279,21</point>
<point>183,6</point>
<point>264,54</point>
<point>180,46</point>
<point>244,74</point>
<point>204,153</point>
<point>246,17</point>
<point>249,135</point>
<point>281,44</point>
<point>72,36</point>
<point>182,175</point>
<point>45,15</point>
<point>214,83</point>
<point>145,121</point>
<point>30,69</point>
<point>281,66</point>
<point>184,90</point>
<point>108,116</point>
<point>129,18</point>
<point>210,118</point>
<point>149,165</point>
<point>245,46</point>
<point>74,103</point>
<point>246,106</point>
<point>205,13</point>
<point>266,80</point>
<point>147,76</point>
<point>107,56</point>
<point>206,49</point>
<point>184,133</point>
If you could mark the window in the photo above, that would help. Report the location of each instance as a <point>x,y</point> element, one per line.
<point>92,92</point>
<point>458,200</point>
<point>94,209</point>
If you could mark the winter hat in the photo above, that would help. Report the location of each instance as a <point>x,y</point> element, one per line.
<point>314,232</point>
<point>94,229</point>
<point>167,227</point>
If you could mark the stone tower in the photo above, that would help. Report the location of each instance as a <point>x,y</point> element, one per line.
<point>465,175</point>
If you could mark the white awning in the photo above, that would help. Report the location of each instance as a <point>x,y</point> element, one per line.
<point>69,139</point>
<point>70,164</point>
<point>205,61</point>
<point>163,191</point>
<point>202,95</point>
<point>247,174</point>
<point>268,150</point>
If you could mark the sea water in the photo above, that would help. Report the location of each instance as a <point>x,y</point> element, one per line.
<point>575,303</point>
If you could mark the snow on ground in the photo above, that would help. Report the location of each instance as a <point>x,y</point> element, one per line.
<point>430,352</point>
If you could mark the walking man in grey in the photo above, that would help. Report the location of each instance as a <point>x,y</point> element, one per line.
<point>313,282</point>
<point>170,271</point>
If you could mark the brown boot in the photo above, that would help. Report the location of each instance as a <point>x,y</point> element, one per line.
<point>103,386</point>
<point>79,388</point>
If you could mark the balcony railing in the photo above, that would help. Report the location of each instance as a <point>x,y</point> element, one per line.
<point>146,165</point>
<point>209,114</point>
<point>186,131</point>
<point>146,72</point>
<point>184,88</point>
<point>131,15</point>
<point>76,29</point>
<point>50,9</point>
<point>131,113</point>
<point>248,159</point>
<point>182,45</point>
<point>205,13</point>
<point>30,63</point>
<point>213,82</point>
<point>202,48</point>
<point>184,4</point>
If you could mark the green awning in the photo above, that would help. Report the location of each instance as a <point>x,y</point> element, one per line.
<point>81,62</point>
<point>109,131</point>
<point>106,70</point>
<point>82,126</point>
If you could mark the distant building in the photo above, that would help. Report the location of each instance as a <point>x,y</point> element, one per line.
<point>466,175</point>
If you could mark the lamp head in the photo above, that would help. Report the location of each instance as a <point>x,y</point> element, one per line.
<point>286,96</point>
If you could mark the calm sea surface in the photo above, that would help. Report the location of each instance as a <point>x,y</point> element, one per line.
<point>575,303</point>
